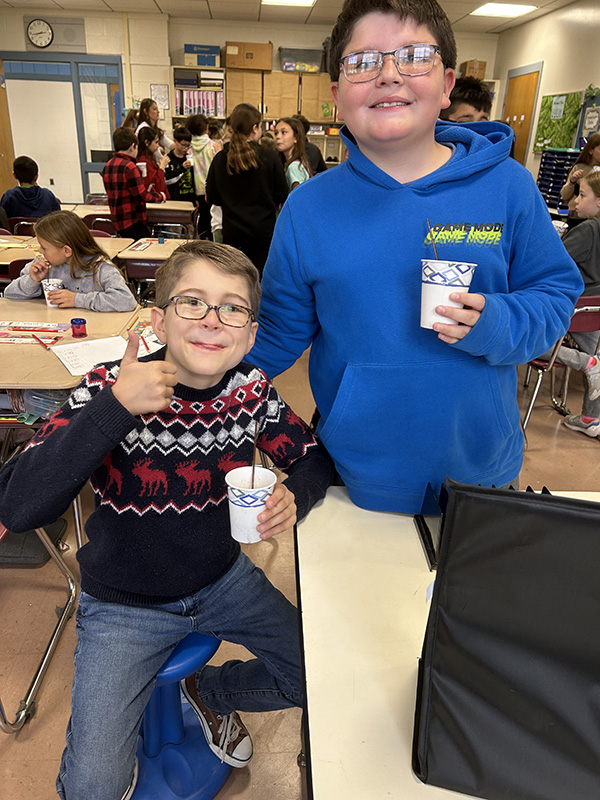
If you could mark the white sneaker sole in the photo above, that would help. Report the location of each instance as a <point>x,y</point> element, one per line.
<point>223,756</point>
<point>593,433</point>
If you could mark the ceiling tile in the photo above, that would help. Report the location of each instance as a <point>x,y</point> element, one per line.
<point>83,5</point>
<point>248,12</point>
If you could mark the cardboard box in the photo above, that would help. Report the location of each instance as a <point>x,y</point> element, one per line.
<point>249,55</point>
<point>201,55</point>
<point>473,69</point>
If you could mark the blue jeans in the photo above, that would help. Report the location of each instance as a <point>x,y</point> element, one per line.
<point>121,648</point>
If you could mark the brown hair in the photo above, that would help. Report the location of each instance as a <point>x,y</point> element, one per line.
<point>299,150</point>
<point>197,124</point>
<point>586,154</point>
<point>123,138</point>
<point>64,228</point>
<point>593,181</point>
<point>146,136</point>
<point>143,115</point>
<point>424,12</point>
<point>242,156</point>
<point>225,258</point>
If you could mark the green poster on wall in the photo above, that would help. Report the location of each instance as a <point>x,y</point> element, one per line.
<point>557,125</point>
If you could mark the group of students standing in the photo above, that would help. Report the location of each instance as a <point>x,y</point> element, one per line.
<point>238,184</point>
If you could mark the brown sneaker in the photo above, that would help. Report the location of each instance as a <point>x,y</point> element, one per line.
<point>227,736</point>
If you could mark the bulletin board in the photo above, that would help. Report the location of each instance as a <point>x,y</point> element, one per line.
<point>590,117</point>
<point>557,124</point>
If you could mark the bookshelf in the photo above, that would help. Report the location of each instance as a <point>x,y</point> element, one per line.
<point>198,90</point>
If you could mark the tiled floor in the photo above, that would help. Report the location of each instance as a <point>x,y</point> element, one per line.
<point>556,457</point>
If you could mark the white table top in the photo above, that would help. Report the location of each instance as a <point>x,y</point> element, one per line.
<point>154,251</point>
<point>363,581</point>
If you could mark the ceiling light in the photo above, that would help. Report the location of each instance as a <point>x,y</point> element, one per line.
<point>501,10</point>
<point>299,3</point>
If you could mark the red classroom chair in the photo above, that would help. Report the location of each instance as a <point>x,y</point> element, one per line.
<point>22,226</point>
<point>96,222</point>
<point>585,318</point>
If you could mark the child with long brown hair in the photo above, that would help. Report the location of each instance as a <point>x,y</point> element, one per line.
<point>70,253</point>
<point>248,182</point>
<point>290,140</point>
<point>586,161</point>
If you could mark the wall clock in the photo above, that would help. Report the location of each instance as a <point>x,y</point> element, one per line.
<point>40,33</point>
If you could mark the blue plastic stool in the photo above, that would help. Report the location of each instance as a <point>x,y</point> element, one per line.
<point>175,762</point>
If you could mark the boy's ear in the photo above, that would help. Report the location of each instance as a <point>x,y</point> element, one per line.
<point>252,336</point>
<point>449,81</point>
<point>335,93</point>
<point>157,317</point>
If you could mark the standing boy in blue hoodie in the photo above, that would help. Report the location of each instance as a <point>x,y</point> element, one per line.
<point>402,406</point>
<point>28,199</point>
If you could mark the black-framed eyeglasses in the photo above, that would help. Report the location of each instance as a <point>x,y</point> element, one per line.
<point>410,60</point>
<point>194,308</point>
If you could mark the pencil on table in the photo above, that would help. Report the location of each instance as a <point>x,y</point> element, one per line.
<point>40,341</point>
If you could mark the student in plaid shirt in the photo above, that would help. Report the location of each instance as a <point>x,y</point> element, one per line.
<point>127,195</point>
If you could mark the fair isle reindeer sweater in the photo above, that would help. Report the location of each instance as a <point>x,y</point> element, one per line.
<point>160,527</point>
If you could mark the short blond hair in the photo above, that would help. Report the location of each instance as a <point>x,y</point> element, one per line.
<point>225,258</point>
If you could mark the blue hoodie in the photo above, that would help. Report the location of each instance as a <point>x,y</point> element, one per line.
<point>400,408</point>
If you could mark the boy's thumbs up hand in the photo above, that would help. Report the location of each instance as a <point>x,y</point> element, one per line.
<point>143,387</point>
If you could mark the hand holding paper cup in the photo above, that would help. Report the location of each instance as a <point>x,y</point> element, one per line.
<point>439,280</point>
<point>51,285</point>
<point>245,502</point>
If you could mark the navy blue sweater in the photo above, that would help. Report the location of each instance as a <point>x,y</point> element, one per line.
<point>160,528</point>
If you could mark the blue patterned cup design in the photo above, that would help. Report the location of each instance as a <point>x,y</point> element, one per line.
<point>439,280</point>
<point>51,285</point>
<point>245,503</point>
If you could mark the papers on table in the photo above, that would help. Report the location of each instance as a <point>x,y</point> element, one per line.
<point>80,357</point>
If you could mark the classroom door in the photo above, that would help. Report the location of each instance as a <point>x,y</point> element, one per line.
<point>519,104</point>
<point>7,153</point>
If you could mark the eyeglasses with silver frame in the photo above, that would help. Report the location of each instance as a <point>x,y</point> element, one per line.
<point>193,308</point>
<point>411,60</point>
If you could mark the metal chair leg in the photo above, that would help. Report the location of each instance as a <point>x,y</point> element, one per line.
<point>536,390</point>
<point>560,401</point>
<point>78,521</point>
<point>26,707</point>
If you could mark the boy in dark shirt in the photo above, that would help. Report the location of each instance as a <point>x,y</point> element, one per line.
<point>156,438</point>
<point>28,199</point>
<point>178,172</point>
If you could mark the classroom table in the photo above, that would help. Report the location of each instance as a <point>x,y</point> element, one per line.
<point>175,211</point>
<point>362,583</point>
<point>113,245</point>
<point>13,247</point>
<point>31,366</point>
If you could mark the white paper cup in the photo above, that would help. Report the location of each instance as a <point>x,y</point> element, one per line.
<point>51,285</point>
<point>142,166</point>
<point>439,279</point>
<point>245,503</point>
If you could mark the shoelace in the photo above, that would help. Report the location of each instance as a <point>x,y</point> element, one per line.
<point>229,730</point>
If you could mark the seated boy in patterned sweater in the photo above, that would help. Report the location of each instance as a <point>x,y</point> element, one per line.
<point>156,436</point>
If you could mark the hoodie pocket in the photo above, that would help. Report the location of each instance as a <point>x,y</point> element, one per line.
<point>430,419</point>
